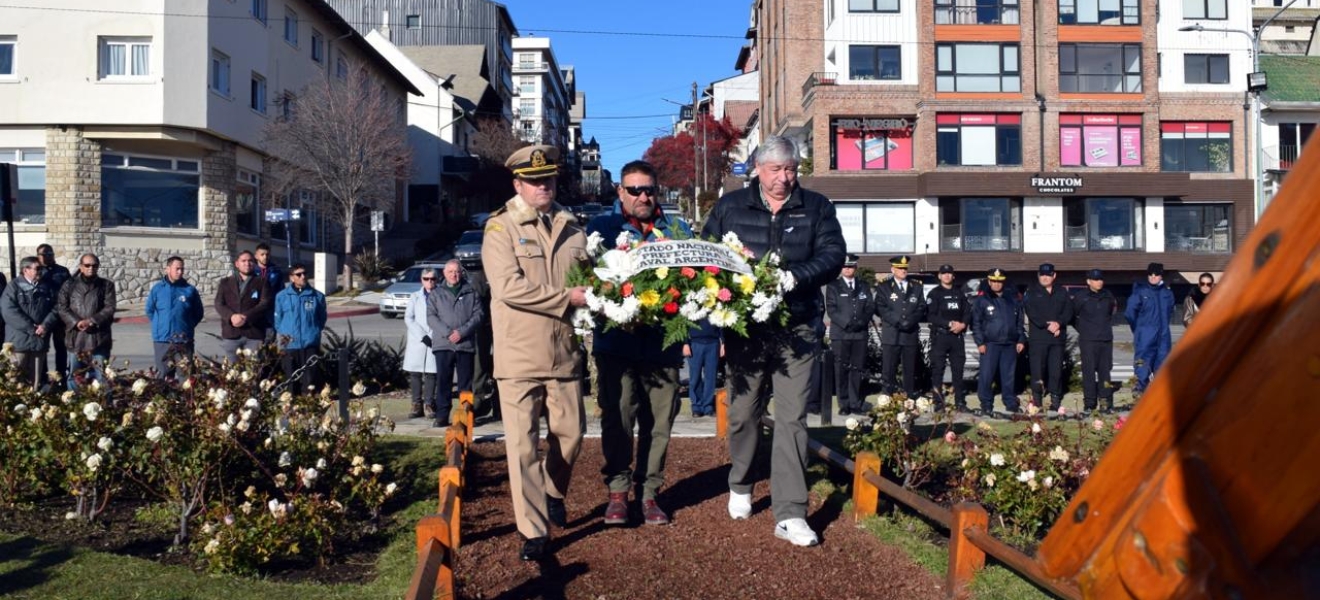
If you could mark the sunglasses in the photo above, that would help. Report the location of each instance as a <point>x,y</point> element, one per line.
<point>638,190</point>
<point>1207,284</point>
<point>298,274</point>
<point>91,266</point>
<point>428,279</point>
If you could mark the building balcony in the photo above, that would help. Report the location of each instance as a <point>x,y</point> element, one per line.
<point>531,67</point>
<point>1281,157</point>
<point>980,14</point>
<point>819,78</point>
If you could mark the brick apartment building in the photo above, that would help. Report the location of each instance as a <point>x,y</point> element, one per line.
<point>1009,133</point>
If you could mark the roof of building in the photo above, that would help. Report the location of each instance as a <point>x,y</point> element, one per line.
<point>739,112</point>
<point>328,13</point>
<point>1292,78</point>
<point>468,65</point>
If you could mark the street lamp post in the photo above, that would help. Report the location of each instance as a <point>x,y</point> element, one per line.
<point>1256,83</point>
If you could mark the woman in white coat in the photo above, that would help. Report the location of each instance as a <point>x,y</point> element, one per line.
<point>418,360</point>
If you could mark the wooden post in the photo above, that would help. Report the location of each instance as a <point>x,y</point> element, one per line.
<point>452,477</point>
<point>721,414</point>
<point>866,496</point>
<point>432,527</point>
<point>469,415</point>
<point>965,559</point>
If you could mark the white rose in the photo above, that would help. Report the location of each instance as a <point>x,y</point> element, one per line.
<point>139,386</point>
<point>359,389</point>
<point>851,423</point>
<point>187,383</point>
<point>373,413</point>
<point>883,400</point>
<point>69,516</point>
<point>902,418</point>
<point>1059,454</point>
<point>94,462</point>
<point>154,434</point>
<point>105,444</point>
<point>321,463</point>
<point>1035,427</point>
<point>990,479</point>
<point>359,461</point>
<point>66,397</point>
<point>309,477</point>
<point>20,408</point>
<point>109,376</point>
<point>997,459</point>
<point>127,420</point>
<point>281,479</point>
<point>1048,483</point>
<point>286,459</point>
<point>377,468</point>
<point>1026,476</point>
<point>389,489</point>
<point>92,410</point>
<point>252,403</point>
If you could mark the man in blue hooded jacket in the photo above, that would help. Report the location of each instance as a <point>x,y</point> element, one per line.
<point>638,377</point>
<point>1149,311</point>
<point>300,315</point>
<point>174,309</point>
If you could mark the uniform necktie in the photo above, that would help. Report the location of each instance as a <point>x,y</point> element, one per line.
<point>850,286</point>
<point>545,222</point>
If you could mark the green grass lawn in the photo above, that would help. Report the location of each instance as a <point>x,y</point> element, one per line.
<point>33,569</point>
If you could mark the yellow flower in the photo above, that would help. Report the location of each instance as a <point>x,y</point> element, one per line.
<point>662,272</point>
<point>711,284</point>
<point>746,283</point>
<point>649,298</point>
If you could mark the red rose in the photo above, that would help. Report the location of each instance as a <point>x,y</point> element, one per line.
<point>713,270</point>
<point>671,308</point>
<point>627,289</point>
<point>688,272</point>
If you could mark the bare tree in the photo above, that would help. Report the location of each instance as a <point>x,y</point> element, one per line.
<point>346,139</point>
<point>491,185</point>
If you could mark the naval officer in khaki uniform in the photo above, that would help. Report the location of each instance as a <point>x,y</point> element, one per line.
<point>530,245</point>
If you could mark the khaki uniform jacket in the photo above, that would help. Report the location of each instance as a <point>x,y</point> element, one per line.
<point>527,270</point>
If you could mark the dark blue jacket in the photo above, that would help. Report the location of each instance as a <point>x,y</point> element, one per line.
<point>1149,310</point>
<point>705,332</point>
<point>997,319</point>
<point>641,343</point>
<point>174,309</point>
<point>301,316</point>
<point>272,274</point>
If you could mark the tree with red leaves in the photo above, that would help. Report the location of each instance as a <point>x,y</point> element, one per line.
<point>672,155</point>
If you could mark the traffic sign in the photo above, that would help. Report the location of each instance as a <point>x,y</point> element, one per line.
<point>378,220</point>
<point>280,215</point>
<point>739,168</point>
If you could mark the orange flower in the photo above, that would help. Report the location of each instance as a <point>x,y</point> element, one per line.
<point>688,272</point>
<point>673,293</point>
<point>627,289</point>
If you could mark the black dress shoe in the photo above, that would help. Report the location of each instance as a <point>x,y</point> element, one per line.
<point>533,549</point>
<point>554,508</point>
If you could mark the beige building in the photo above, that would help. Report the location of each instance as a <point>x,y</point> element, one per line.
<point>138,126</point>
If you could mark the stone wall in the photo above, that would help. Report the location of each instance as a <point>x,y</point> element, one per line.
<point>135,270</point>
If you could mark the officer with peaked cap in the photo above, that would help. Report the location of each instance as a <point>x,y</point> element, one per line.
<point>950,316</point>
<point>850,306</point>
<point>997,328</point>
<point>1093,318</point>
<point>901,306</point>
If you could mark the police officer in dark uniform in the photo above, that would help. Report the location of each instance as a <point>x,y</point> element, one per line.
<point>850,305</point>
<point>1049,310</point>
<point>1093,318</point>
<point>950,314</point>
<point>997,328</point>
<point>901,307</point>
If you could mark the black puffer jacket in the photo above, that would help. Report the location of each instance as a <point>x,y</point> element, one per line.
<point>805,232</point>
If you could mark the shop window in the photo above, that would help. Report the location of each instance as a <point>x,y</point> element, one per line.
<point>1100,68</point>
<point>1196,146</point>
<point>1100,140</point>
<point>981,224</point>
<point>144,191</point>
<point>870,144</point>
<point>247,206</point>
<point>978,139</point>
<point>977,68</point>
<point>1104,224</point>
<point>976,12</point>
<point>1198,228</point>
<point>866,63</point>
<point>1099,12</point>
<point>31,206</point>
<point>878,227</point>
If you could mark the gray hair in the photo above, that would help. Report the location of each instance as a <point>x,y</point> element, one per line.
<point>428,271</point>
<point>776,148</point>
<point>456,262</point>
<point>28,261</point>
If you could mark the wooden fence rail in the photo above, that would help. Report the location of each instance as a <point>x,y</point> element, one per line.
<point>439,535</point>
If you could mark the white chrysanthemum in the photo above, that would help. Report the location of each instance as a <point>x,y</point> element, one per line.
<point>997,460</point>
<point>583,321</point>
<point>286,459</point>
<point>883,400</point>
<point>91,410</point>
<point>990,480</point>
<point>154,434</point>
<point>1059,454</point>
<point>105,443</point>
<point>309,477</point>
<point>624,312</point>
<point>693,312</point>
<point>722,317</point>
<point>139,386</point>
<point>763,313</point>
<point>595,244</point>
<point>761,299</point>
<point>94,462</point>
<point>786,281</point>
<point>623,241</point>
<point>851,423</point>
<point>1026,476</point>
<point>731,240</point>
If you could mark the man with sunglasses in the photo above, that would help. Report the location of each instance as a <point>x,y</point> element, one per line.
<point>638,376</point>
<point>775,214</point>
<point>530,245</point>
<point>300,315</point>
<point>86,305</point>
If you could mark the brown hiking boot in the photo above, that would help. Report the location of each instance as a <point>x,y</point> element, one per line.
<point>653,513</point>
<point>416,411</point>
<point>616,513</point>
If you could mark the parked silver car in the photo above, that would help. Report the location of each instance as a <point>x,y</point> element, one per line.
<point>394,300</point>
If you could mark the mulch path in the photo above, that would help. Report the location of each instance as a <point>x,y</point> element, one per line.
<point>703,554</point>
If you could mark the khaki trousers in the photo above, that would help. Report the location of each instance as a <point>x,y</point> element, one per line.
<point>533,476</point>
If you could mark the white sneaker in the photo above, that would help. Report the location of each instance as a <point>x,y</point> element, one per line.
<point>796,531</point>
<point>740,505</point>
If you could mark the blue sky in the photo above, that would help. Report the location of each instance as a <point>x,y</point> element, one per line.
<point>626,74</point>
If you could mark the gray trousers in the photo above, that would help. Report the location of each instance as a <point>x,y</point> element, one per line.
<point>167,354</point>
<point>771,363</point>
<point>641,394</point>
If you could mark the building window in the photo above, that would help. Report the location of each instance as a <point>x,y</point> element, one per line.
<point>8,44</point>
<point>247,203</point>
<point>318,46</point>
<point>291,27</point>
<point>976,12</point>
<point>1205,68</point>
<point>527,85</point>
<point>527,107</point>
<point>1292,137</point>
<point>413,21</point>
<point>1100,140</point>
<point>144,191</point>
<point>125,57</point>
<point>884,6</point>
<point>220,73</point>
<point>870,144</point>
<point>1198,228</point>
<point>31,206</point>
<point>258,10</point>
<point>878,227</point>
<point>980,224</point>
<point>1099,12</point>
<point>257,101</point>
<point>978,139</point>
<point>341,66</point>
<point>527,60</point>
<point>1206,9</point>
<point>867,63</point>
<point>1196,146</point>
<point>1102,68</point>
<point>1104,224</point>
<point>977,68</point>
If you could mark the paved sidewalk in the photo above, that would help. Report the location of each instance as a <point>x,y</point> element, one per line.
<point>337,307</point>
